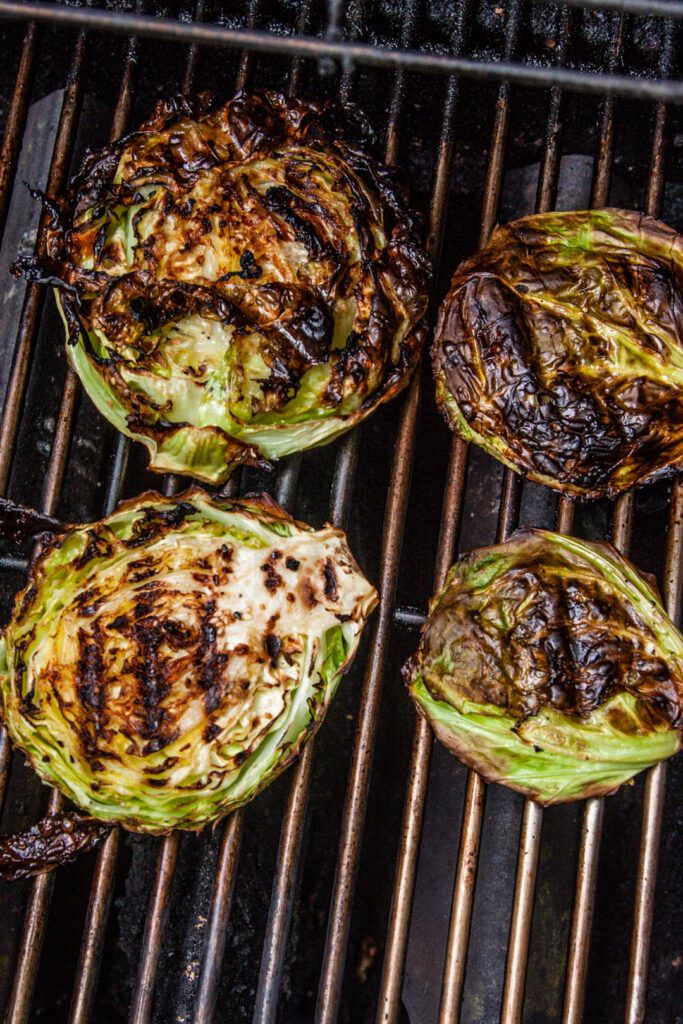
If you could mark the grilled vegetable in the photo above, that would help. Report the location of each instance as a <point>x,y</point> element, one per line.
<point>559,349</point>
<point>547,663</point>
<point>165,664</point>
<point>239,283</point>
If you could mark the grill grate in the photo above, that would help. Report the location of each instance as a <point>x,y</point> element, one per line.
<point>390,625</point>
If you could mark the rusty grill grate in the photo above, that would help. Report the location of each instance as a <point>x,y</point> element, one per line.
<point>333,847</point>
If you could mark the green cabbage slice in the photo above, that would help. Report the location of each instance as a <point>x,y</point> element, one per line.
<point>548,664</point>
<point>239,282</point>
<point>165,664</point>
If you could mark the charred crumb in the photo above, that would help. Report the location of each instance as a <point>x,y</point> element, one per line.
<point>273,580</point>
<point>292,563</point>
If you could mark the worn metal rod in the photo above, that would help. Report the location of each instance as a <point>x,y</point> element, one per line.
<point>97,915</point>
<point>655,785</point>
<point>35,294</point>
<point>475,792</point>
<point>41,890</point>
<point>16,119</point>
<point>289,852</point>
<point>217,924</point>
<point>143,995</point>
<point>96,19</point>
<point>388,1004</point>
<point>591,833</point>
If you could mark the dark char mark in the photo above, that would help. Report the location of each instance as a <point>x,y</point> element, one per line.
<point>272,645</point>
<point>285,204</point>
<point>156,521</point>
<point>329,575</point>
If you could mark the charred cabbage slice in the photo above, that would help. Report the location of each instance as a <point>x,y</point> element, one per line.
<point>559,349</point>
<point>548,664</point>
<point>237,283</point>
<point>165,664</point>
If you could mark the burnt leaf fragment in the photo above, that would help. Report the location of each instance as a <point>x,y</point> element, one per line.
<point>54,840</point>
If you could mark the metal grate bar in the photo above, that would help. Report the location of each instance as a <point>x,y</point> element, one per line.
<point>360,53</point>
<point>9,154</point>
<point>217,924</point>
<point>36,913</point>
<point>338,925</point>
<point>286,876</point>
<point>16,119</point>
<point>39,901</point>
<point>295,70</point>
<point>418,771</point>
<point>245,59</point>
<point>473,811</point>
<point>157,912</point>
<point>193,52</point>
<point>35,294</point>
<point>90,956</point>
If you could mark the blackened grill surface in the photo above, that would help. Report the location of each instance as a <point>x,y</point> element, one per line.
<point>159,71</point>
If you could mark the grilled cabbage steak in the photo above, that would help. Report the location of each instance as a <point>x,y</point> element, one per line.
<point>559,349</point>
<point>237,283</point>
<point>547,663</point>
<point>165,664</point>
